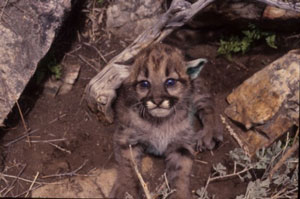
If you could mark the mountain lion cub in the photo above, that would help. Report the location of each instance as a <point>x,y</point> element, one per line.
<point>156,109</point>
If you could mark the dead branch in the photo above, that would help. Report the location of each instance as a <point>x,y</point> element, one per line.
<point>58,118</point>
<point>3,9</point>
<point>296,137</point>
<point>287,154</point>
<point>98,51</point>
<point>21,137</point>
<point>60,148</point>
<point>286,5</point>
<point>88,63</point>
<point>21,194</point>
<point>235,136</point>
<point>230,175</point>
<point>30,188</point>
<point>24,123</point>
<point>47,141</point>
<point>24,179</point>
<point>100,92</point>
<point>140,177</point>
<point>11,186</point>
<point>72,173</point>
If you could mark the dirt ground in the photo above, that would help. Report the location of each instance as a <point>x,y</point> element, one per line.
<point>87,142</point>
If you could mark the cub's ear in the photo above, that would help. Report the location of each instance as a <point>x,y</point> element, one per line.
<point>194,67</point>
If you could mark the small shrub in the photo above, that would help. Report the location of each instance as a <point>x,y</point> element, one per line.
<point>236,44</point>
<point>48,65</point>
<point>283,183</point>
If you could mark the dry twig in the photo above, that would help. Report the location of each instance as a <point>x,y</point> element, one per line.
<point>60,148</point>
<point>14,181</point>
<point>144,185</point>
<point>48,141</point>
<point>88,63</point>
<point>21,137</point>
<point>21,194</point>
<point>234,135</point>
<point>239,64</point>
<point>33,182</point>
<point>296,137</point>
<point>200,161</point>
<point>24,123</point>
<point>3,9</point>
<point>25,180</point>
<point>58,118</point>
<point>72,173</point>
<point>98,51</point>
<point>287,154</point>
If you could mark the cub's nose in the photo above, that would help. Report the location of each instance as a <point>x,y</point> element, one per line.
<point>157,100</point>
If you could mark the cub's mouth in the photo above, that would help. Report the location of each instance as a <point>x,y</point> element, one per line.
<point>162,109</point>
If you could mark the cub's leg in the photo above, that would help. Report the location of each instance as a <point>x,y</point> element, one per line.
<point>127,180</point>
<point>211,127</point>
<point>178,166</point>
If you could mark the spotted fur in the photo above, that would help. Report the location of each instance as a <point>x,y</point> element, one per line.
<point>153,114</point>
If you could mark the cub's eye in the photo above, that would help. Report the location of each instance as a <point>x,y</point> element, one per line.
<point>144,84</point>
<point>170,82</point>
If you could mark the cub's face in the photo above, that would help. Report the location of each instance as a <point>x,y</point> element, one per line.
<point>159,81</point>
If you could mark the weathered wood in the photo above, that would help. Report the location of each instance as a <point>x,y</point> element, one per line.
<point>100,91</point>
<point>286,5</point>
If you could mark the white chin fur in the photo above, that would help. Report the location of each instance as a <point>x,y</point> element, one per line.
<point>160,112</point>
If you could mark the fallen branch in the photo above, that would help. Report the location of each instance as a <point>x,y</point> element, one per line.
<point>230,175</point>
<point>286,5</point>
<point>60,148</point>
<point>72,173</point>
<point>235,136</point>
<point>14,181</point>
<point>98,51</point>
<point>21,137</point>
<point>88,63</point>
<point>24,123</point>
<point>30,188</point>
<point>287,154</point>
<point>58,118</point>
<point>48,141</point>
<point>3,9</point>
<point>26,180</point>
<point>144,185</point>
<point>21,194</point>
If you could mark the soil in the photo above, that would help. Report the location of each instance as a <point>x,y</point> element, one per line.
<point>67,116</point>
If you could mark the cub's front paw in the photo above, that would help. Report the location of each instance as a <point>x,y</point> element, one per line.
<point>208,138</point>
<point>180,195</point>
<point>123,192</point>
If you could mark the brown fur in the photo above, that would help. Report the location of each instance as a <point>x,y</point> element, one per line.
<point>157,119</point>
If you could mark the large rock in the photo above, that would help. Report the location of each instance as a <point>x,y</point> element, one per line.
<point>27,30</point>
<point>267,104</point>
<point>97,185</point>
<point>128,19</point>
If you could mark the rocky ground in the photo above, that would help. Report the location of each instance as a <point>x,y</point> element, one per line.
<point>68,143</point>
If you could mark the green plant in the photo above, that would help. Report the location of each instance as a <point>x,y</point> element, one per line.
<point>282,184</point>
<point>48,65</point>
<point>55,70</point>
<point>236,44</point>
<point>100,2</point>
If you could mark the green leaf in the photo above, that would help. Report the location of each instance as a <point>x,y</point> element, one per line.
<point>271,41</point>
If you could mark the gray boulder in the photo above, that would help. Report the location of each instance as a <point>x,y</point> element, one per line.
<point>27,30</point>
